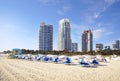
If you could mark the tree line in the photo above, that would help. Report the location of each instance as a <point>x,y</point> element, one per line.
<point>65,52</point>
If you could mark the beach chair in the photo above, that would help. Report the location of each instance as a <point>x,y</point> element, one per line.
<point>56,60</point>
<point>67,60</point>
<point>46,59</point>
<point>37,58</point>
<point>83,63</point>
<point>94,62</point>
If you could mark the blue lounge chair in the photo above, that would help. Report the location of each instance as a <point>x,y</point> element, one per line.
<point>67,60</point>
<point>46,59</point>
<point>94,62</point>
<point>83,63</point>
<point>56,60</point>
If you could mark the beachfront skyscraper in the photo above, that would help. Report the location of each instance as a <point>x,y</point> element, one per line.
<point>99,46</point>
<point>87,40</point>
<point>116,45</point>
<point>45,37</point>
<point>74,47</point>
<point>64,35</point>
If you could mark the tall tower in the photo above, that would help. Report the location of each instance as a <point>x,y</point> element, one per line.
<point>64,35</point>
<point>99,46</point>
<point>116,45</point>
<point>45,37</point>
<point>87,40</point>
<point>74,47</point>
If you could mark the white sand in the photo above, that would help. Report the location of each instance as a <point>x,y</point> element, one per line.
<point>22,70</point>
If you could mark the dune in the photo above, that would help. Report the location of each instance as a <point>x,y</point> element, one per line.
<point>23,70</point>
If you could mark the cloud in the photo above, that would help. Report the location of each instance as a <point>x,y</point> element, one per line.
<point>63,5</point>
<point>75,26</point>
<point>80,25</point>
<point>64,9</point>
<point>99,33</point>
<point>67,8</point>
<point>109,33</point>
<point>60,12</point>
<point>110,2</point>
<point>49,2</point>
<point>76,30</point>
<point>96,8</point>
<point>96,15</point>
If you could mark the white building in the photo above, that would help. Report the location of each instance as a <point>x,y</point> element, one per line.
<point>74,47</point>
<point>99,47</point>
<point>64,35</point>
<point>116,45</point>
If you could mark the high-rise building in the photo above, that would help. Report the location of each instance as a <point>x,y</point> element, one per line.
<point>87,40</point>
<point>74,47</point>
<point>64,35</point>
<point>99,46</point>
<point>46,37</point>
<point>107,48</point>
<point>116,45</point>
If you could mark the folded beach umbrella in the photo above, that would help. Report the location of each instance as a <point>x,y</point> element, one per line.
<point>56,60</point>
<point>50,56</point>
<point>68,60</point>
<point>46,58</point>
<point>77,57</point>
<point>62,56</point>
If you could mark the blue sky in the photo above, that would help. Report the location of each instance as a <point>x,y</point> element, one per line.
<point>20,19</point>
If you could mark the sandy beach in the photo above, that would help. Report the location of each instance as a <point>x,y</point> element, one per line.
<point>23,70</point>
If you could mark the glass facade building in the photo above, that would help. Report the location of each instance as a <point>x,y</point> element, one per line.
<point>74,47</point>
<point>46,37</point>
<point>64,35</point>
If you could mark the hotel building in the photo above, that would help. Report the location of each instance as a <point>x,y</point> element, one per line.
<point>64,35</point>
<point>87,40</point>
<point>46,37</point>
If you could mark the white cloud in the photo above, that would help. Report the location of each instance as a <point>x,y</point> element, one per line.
<point>81,25</point>
<point>64,9</point>
<point>96,8</point>
<point>109,33</point>
<point>50,1</point>
<point>96,15</point>
<point>98,33</point>
<point>63,4</point>
<point>75,26</point>
<point>67,8</point>
<point>111,1</point>
<point>60,12</point>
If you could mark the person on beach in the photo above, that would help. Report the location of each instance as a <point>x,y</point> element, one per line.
<point>110,57</point>
<point>104,59</point>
